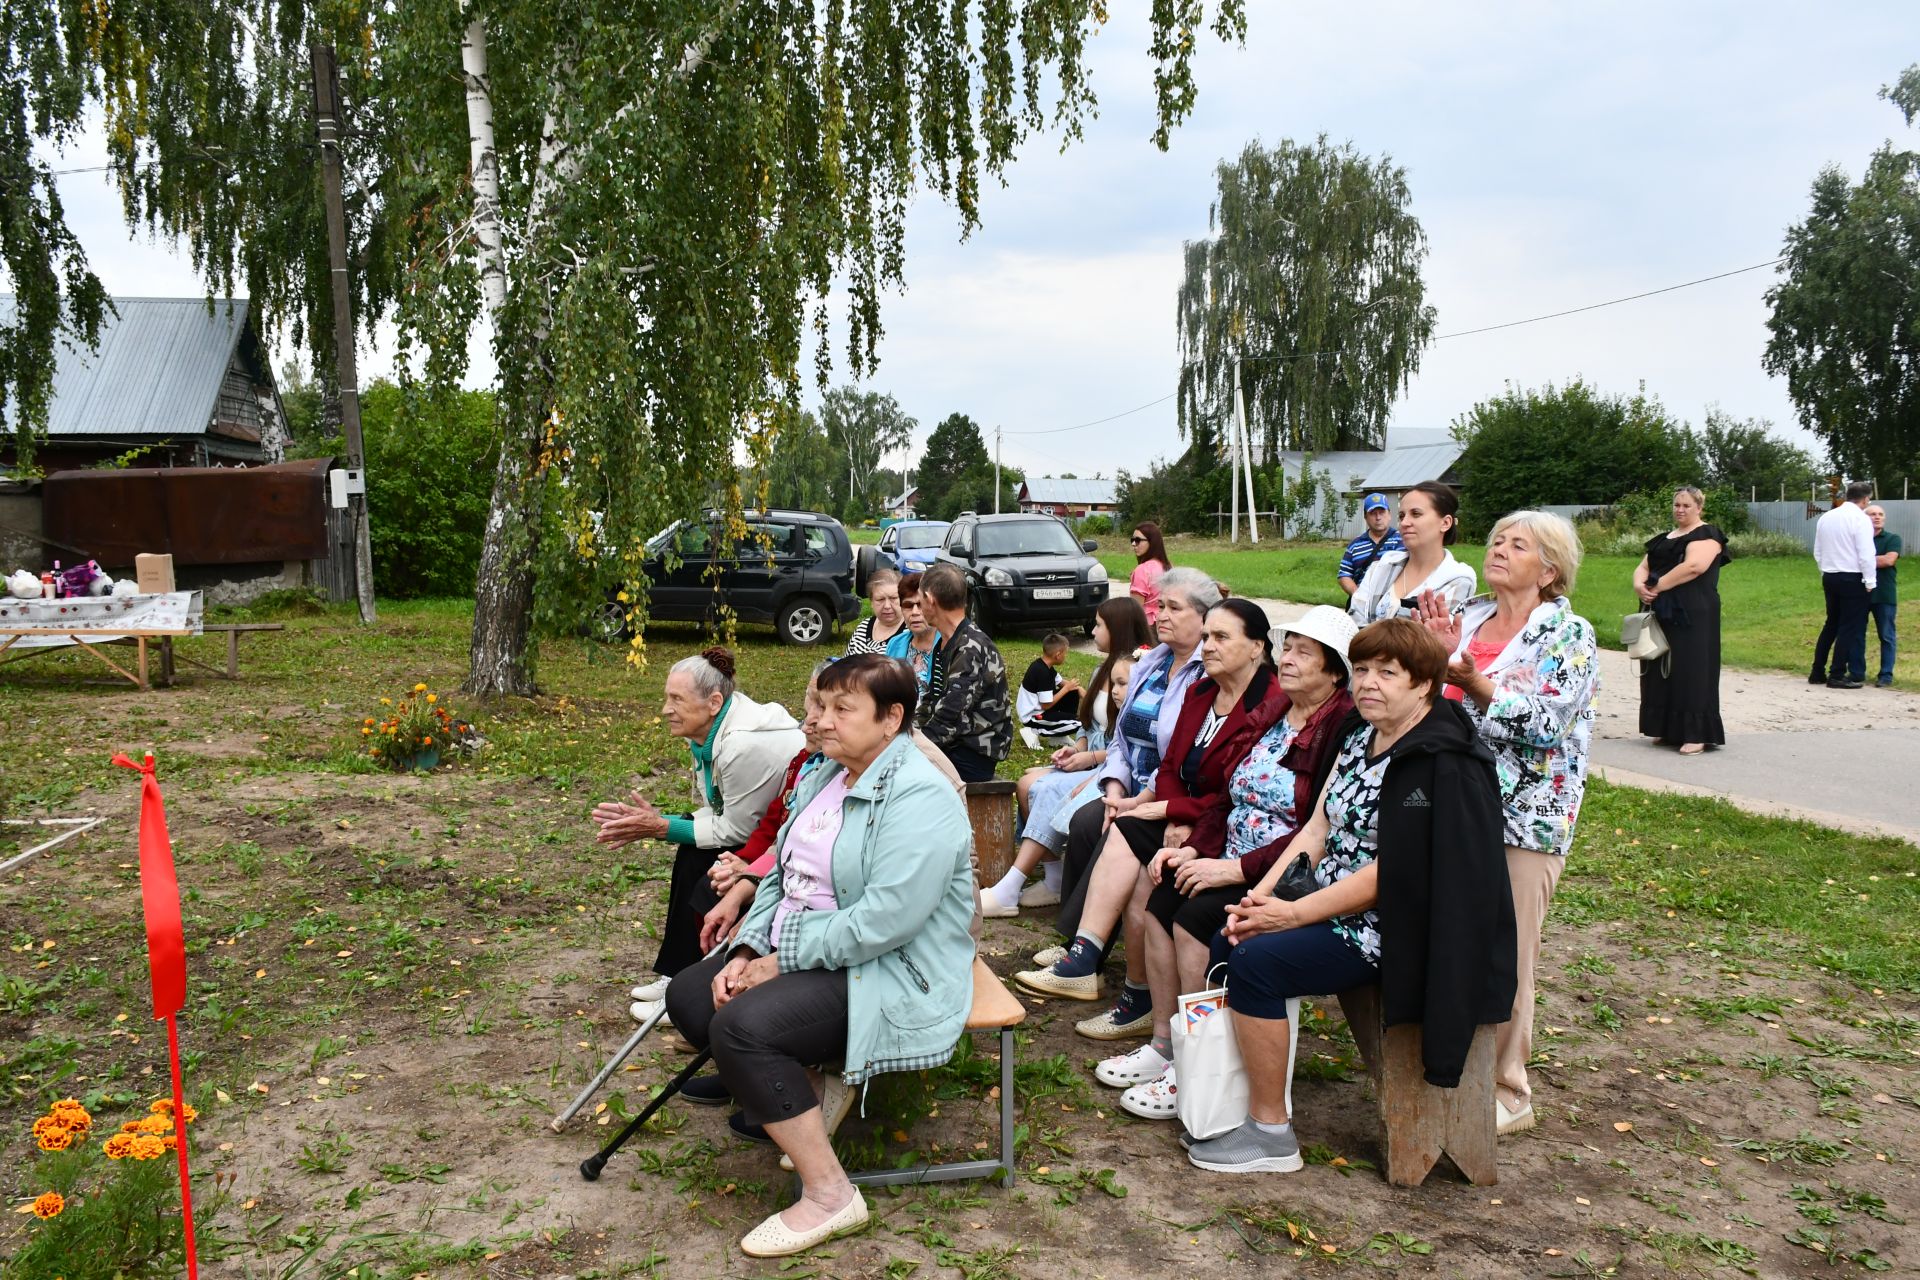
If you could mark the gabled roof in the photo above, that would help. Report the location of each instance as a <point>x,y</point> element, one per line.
<point>157,372</point>
<point>1048,489</point>
<point>1403,468</point>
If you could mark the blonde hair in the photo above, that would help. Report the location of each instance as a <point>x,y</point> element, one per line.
<point>1559,546</point>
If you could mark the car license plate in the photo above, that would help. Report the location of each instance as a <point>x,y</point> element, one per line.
<point>1053,593</point>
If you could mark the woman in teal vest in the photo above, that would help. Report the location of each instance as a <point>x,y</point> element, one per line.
<point>855,957</point>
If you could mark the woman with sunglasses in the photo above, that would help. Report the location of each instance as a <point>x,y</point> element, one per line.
<point>1150,549</point>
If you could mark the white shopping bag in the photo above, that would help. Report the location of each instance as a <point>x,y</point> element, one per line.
<point>1212,1098</point>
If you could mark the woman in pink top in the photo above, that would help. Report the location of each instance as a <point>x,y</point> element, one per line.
<point>1150,549</point>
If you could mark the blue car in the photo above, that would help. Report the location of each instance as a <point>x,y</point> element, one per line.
<point>907,547</point>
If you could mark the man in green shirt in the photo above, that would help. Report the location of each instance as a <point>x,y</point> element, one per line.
<point>1882,603</point>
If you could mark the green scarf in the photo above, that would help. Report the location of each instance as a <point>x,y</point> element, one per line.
<point>703,760</point>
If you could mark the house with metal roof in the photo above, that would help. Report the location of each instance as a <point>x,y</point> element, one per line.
<point>1411,456</point>
<point>187,384</point>
<point>1061,496</point>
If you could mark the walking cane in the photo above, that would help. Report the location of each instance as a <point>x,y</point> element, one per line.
<point>590,1167</point>
<point>625,1051</point>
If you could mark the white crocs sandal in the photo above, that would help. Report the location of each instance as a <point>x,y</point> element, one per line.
<point>1156,1100</point>
<point>1143,1066</point>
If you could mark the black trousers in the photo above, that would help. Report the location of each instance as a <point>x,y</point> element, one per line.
<point>1202,915</point>
<point>690,896</point>
<point>764,1041</point>
<point>1084,841</point>
<point>971,765</point>
<point>1845,631</point>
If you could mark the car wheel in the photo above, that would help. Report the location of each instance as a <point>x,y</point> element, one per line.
<point>977,612</point>
<point>864,562</point>
<point>804,620</point>
<point>608,623</point>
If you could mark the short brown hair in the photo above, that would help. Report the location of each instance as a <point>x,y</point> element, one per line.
<point>888,681</point>
<point>1408,644</point>
<point>909,587</point>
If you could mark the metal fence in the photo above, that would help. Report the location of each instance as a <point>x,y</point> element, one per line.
<point>1796,519</point>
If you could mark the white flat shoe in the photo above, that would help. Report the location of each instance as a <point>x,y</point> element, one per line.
<point>1046,982</point>
<point>836,1100</point>
<point>994,909</point>
<point>648,992</point>
<point>775,1239</point>
<point>641,1010</point>
<point>1038,895</point>
<point>1506,1121</point>
<point>1125,1070</point>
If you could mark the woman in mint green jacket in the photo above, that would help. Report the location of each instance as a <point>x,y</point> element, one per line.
<point>855,956</point>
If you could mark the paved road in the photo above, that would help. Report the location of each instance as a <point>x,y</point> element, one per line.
<point>1844,758</point>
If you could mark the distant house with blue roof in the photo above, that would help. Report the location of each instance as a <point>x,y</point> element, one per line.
<point>189,382</point>
<point>1066,496</point>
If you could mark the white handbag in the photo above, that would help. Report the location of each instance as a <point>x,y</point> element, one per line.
<point>1642,638</point>
<point>1212,1094</point>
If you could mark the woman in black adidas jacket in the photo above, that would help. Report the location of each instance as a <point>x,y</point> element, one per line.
<point>1411,892</point>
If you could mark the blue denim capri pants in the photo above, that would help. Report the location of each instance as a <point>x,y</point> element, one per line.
<point>1268,969</point>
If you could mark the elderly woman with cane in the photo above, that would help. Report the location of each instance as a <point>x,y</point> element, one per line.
<point>855,958</point>
<point>1529,667</point>
<point>741,751</point>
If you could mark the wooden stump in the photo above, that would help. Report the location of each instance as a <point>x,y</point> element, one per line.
<point>1423,1122</point>
<point>990,811</point>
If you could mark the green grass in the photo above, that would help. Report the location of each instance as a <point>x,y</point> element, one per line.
<point>1771,609</point>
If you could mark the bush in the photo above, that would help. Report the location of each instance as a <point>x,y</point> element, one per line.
<point>1763,543</point>
<point>1567,445</point>
<point>1650,511</point>
<point>1095,526</point>
<point>430,461</point>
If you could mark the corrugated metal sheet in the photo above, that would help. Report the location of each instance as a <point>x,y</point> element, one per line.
<point>157,373</point>
<point>202,515</point>
<point>1048,489</point>
<point>1403,468</point>
<point>1346,468</point>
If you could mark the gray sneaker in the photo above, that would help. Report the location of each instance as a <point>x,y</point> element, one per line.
<point>1248,1149</point>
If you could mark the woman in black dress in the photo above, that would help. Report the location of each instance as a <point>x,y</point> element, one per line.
<point>1679,580</point>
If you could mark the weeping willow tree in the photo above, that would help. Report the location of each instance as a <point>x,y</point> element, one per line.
<point>651,206</point>
<point>1311,282</point>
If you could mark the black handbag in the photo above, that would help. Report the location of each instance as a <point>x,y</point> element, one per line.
<point>1296,881</point>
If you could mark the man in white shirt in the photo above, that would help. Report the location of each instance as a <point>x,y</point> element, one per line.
<point>1843,548</point>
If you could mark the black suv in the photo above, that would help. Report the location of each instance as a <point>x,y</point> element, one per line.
<point>793,569</point>
<point>1025,571</point>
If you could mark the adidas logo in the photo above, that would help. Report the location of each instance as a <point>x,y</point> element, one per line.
<point>1418,800</point>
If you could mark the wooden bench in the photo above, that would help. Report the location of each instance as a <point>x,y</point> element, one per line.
<point>990,812</point>
<point>233,631</point>
<point>994,1009</point>
<point>1422,1122</point>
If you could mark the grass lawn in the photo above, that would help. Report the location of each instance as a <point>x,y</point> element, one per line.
<point>395,980</point>
<point>1771,608</point>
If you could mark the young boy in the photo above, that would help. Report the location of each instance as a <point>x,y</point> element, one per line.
<point>1048,705</point>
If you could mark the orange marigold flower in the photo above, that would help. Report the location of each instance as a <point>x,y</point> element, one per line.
<point>147,1147</point>
<point>118,1147</point>
<point>432,698</point>
<point>171,1142</point>
<point>131,1126</point>
<point>155,1125</point>
<point>420,688</point>
<point>56,1139</point>
<point>368,720</point>
<point>426,742</point>
<point>49,1205</point>
<point>164,1107</point>
<point>47,1124</point>
<point>68,1104</point>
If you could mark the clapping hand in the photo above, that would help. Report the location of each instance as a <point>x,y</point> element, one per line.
<point>622,824</point>
<point>1437,616</point>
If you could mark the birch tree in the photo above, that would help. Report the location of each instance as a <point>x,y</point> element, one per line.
<point>650,207</point>
<point>1311,281</point>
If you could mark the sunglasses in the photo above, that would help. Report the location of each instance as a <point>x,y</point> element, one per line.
<point>1136,538</point>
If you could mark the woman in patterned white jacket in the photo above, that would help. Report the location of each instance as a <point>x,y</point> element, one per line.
<point>1528,666</point>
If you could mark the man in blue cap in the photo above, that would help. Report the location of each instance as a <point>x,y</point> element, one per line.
<point>1380,538</point>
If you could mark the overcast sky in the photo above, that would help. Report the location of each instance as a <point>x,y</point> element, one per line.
<point>1558,156</point>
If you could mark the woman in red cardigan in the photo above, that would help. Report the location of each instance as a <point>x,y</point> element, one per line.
<point>1224,715</point>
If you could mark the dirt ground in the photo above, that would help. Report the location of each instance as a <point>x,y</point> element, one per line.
<point>1698,1112</point>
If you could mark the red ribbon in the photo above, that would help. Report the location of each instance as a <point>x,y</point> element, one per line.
<point>166,959</point>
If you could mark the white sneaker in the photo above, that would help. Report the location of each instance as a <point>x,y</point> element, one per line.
<point>1038,894</point>
<point>648,992</point>
<point>1127,1069</point>
<point>1508,1121</point>
<point>1047,957</point>
<point>1029,737</point>
<point>995,908</point>
<point>641,1010</point>
<point>1154,1100</point>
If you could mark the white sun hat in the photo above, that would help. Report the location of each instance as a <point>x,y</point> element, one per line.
<point>1330,626</point>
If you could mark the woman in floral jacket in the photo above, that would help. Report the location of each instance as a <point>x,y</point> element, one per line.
<point>1528,667</point>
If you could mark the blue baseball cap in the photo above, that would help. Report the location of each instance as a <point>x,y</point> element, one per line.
<point>1375,502</point>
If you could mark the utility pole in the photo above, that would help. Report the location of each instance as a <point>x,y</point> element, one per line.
<point>326,119</point>
<point>996,470</point>
<point>1246,456</point>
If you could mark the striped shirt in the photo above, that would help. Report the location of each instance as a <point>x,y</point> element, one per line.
<point>1363,551</point>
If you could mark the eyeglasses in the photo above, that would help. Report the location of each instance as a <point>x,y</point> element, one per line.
<point>1136,538</point>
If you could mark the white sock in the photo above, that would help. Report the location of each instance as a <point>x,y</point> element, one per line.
<point>1008,890</point>
<point>1285,1126</point>
<point>1050,874</point>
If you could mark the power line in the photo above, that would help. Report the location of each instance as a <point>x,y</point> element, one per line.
<point>1464,333</point>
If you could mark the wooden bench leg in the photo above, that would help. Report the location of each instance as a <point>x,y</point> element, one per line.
<point>233,655</point>
<point>1006,1104</point>
<point>1423,1122</point>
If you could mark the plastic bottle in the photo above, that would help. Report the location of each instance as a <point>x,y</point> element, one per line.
<point>46,587</point>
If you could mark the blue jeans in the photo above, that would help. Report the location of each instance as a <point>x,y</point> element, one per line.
<point>1889,643</point>
<point>1268,968</point>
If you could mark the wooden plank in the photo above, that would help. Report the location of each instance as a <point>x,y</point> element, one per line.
<point>1422,1122</point>
<point>138,682</point>
<point>990,811</point>
<point>97,636</point>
